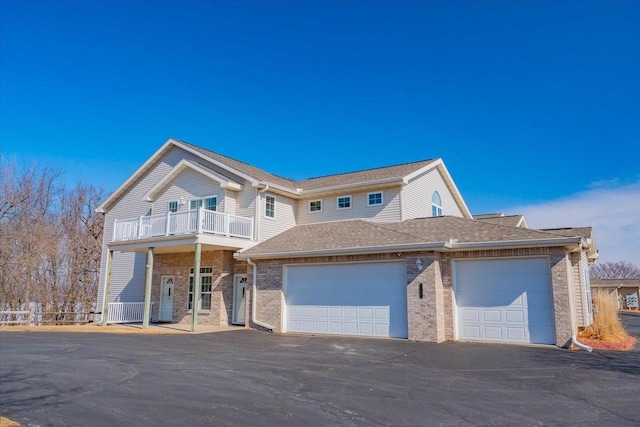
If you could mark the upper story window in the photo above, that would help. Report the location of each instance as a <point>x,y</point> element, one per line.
<point>436,204</point>
<point>173,206</point>
<point>209,203</point>
<point>343,202</point>
<point>270,206</point>
<point>374,198</point>
<point>315,206</point>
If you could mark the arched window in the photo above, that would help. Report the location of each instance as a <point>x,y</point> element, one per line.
<point>436,204</point>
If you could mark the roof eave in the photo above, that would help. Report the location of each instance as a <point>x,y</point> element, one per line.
<point>435,246</point>
<point>567,242</point>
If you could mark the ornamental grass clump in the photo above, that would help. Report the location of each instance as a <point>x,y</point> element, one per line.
<point>606,324</point>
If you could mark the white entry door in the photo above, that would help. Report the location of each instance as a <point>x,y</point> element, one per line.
<point>166,299</point>
<point>239,301</point>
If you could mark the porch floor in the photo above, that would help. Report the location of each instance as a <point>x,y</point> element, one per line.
<point>186,328</point>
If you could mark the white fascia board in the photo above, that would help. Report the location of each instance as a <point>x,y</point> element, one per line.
<point>456,193</point>
<point>277,189</point>
<point>508,244</point>
<point>439,164</point>
<point>116,194</point>
<point>435,246</point>
<point>431,246</point>
<point>522,223</point>
<point>182,165</point>
<point>420,171</point>
<point>151,160</point>
<point>336,188</point>
<point>251,179</point>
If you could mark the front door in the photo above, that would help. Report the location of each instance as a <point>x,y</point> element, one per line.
<point>239,302</point>
<point>166,299</point>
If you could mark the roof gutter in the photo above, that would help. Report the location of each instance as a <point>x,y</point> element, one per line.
<point>449,246</point>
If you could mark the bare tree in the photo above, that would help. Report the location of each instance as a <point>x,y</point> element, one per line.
<point>615,270</point>
<point>50,241</point>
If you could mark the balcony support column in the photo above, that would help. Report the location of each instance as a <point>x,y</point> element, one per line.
<point>195,304</point>
<point>147,289</point>
<point>107,288</point>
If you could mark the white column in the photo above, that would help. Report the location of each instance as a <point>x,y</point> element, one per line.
<point>147,289</point>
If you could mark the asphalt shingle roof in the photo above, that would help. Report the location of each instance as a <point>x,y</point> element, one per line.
<point>511,220</point>
<point>361,233</point>
<point>363,176</point>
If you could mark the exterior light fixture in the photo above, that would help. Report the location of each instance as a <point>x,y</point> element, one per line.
<point>419,264</point>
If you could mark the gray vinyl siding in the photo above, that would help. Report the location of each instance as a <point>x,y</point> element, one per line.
<point>285,216</point>
<point>128,273</point>
<point>388,211</point>
<point>417,194</point>
<point>585,297</point>
<point>190,185</point>
<point>246,201</point>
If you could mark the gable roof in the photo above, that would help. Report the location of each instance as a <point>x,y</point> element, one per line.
<point>614,283</point>
<point>437,233</point>
<point>511,220</point>
<point>396,172</point>
<point>396,175</point>
<point>201,169</point>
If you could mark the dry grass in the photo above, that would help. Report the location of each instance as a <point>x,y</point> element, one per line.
<point>6,422</point>
<point>606,325</point>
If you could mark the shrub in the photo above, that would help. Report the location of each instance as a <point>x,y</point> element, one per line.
<point>606,324</point>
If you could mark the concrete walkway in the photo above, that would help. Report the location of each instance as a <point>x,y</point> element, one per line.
<point>186,328</point>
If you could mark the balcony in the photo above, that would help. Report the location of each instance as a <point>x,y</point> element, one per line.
<point>198,221</point>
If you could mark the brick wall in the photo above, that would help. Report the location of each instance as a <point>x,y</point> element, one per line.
<point>432,317</point>
<point>178,265</point>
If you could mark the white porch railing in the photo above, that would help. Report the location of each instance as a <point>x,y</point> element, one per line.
<point>188,222</point>
<point>127,312</point>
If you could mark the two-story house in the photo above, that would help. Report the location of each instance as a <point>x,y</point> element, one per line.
<point>197,237</point>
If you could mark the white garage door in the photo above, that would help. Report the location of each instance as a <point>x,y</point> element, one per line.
<point>506,300</point>
<point>347,299</point>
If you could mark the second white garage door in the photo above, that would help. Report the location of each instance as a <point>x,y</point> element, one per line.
<point>507,300</point>
<point>347,299</point>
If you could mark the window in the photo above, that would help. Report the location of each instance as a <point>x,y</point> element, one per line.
<point>209,203</point>
<point>436,204</point>
<point>344,202</point>
<point>315,206</point>
<point>206,281</point>
<point>173,206</point>
<point>374,198</point>
<point>270,206</point>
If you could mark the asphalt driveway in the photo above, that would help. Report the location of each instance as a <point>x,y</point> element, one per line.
<point>257,378</point>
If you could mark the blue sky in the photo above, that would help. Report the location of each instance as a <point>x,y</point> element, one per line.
<point>532,105</point>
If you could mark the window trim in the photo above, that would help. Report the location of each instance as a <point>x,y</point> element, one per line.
<point>203,198</point>
<point>190,293</point>
<point>313,201</point>
<point>264,212</point>
<point>344,207</point>
<point>375,204</point>
<point>436,209</point>
<point>177,202</point>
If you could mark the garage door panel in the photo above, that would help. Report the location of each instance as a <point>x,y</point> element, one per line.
<point>360,299</point>
<point>516,334</point>
<point>504,300</point>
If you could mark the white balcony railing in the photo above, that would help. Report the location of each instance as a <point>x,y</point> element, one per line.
<point>188,222</point>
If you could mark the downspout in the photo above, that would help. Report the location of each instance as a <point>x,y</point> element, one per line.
<point>574,339</point>
<point>253,298</point>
